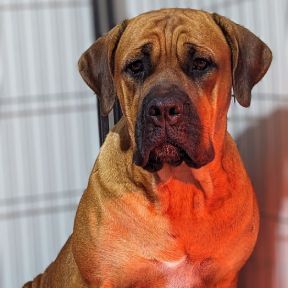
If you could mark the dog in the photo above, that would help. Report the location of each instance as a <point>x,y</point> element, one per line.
<point>168,203</point>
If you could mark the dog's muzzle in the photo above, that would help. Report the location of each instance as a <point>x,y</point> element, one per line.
<point>168,130</point>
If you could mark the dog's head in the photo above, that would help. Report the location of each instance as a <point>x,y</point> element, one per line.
<point>173,71</point>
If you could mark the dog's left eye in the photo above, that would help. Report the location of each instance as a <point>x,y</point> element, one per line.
<point>197,67</point>
<point>200,64</point>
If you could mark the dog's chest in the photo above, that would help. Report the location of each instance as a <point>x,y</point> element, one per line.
<point>191,216</point>
<point>177,245</point>
<point>185,208</point>
<point>143,244</point>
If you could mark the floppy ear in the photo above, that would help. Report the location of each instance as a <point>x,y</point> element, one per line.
<point>96,67</point>
<point>251,58</point>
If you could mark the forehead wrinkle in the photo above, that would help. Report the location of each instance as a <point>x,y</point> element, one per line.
<point>205,24</point>
<point>138,52</point>
<point>165,30</point>
<point>156,24</point>
<point>176,25</point>
<point>139,49</point>
<point>199,48</point>
<point>171,26</point>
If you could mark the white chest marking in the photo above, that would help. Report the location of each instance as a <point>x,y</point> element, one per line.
<point>174,264</point>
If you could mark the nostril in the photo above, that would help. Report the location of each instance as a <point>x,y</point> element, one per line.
<point>154,111</point>
<point>174,111</point>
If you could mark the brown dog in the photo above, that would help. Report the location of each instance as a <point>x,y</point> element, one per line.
<point>168,203</point>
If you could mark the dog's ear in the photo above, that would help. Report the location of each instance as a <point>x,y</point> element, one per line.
<point>96,67</point>
<point>251,58</point>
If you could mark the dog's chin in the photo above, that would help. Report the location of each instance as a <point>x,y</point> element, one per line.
<point>166,153</point>
<point>153,159</point>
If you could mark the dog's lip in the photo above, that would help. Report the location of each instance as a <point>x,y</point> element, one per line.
<point>140,158</point>
<point>166,147</point>
<point>143,159</point>
<point>170,152</point>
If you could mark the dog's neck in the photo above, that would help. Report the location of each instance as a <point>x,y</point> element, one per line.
<point>196,179</point>
<point>209,181</point>
<point>185,174</point>
<point>199,177</point>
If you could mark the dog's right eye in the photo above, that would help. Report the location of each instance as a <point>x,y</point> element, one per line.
<point>136,69</point>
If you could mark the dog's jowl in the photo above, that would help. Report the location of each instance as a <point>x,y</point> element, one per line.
<point>168,203</point>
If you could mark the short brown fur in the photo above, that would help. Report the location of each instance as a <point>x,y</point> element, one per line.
<point>178,227</point>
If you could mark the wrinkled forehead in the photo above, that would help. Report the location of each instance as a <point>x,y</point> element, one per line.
<point>168,28</point>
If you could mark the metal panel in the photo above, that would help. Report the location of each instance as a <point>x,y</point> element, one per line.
<point>48,125</point>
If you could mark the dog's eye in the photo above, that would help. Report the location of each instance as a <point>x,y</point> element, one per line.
<point>136,67</point>
<point>198,67</point>
<point>200,64</point>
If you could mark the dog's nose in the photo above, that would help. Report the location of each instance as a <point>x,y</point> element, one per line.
<point>167,109</point>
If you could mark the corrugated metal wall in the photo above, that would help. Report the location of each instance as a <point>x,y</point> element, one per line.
<point>48,130</point>
<point>49,136</point>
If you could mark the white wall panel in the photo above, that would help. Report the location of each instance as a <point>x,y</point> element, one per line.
<point>48,131</point>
